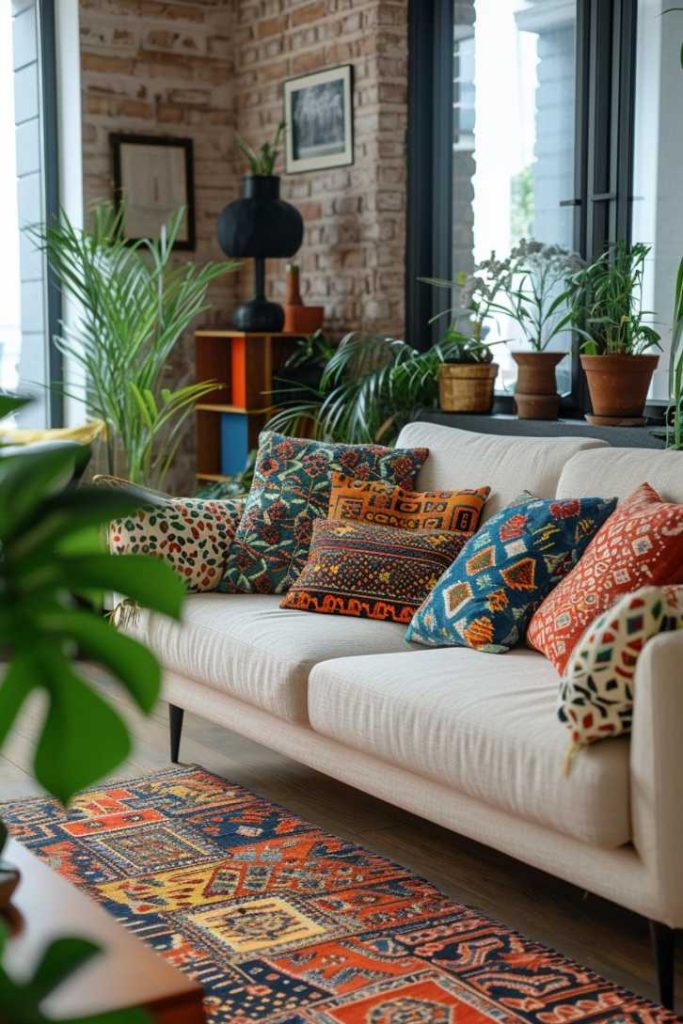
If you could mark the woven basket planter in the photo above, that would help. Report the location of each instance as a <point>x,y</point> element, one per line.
<point>467,387</point>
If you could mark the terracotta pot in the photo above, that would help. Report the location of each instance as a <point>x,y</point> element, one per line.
<point>536,396</point>
<point>303,319</point>
<point>467,387</point>
<point>618,386</point>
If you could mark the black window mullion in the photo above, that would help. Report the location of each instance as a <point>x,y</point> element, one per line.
<point>49,124</point>
<point>430,163</point>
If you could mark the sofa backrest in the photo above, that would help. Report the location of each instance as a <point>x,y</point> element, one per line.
<point>616,472</point>
<point>508,465</point>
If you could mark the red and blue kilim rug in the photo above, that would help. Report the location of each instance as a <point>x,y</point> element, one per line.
<point>281,922</point>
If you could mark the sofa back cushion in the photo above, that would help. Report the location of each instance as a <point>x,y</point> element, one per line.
<point>506,464</point>
<point>617,472</point>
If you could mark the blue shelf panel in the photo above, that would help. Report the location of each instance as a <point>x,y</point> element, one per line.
<point>234,442</point>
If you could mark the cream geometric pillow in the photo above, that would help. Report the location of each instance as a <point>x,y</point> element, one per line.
<point>596,693</point>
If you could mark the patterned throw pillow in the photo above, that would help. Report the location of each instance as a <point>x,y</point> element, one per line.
<point>369,571</point>
<point>596,694</point>
<point>488,595</point>
<point>641,545</point>
<point>380,503</point>
<point>194,535</point>
<point>291,489</point>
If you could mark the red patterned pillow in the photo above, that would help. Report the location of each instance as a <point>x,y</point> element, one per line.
<point>640,545</point>
<point>369,571</point>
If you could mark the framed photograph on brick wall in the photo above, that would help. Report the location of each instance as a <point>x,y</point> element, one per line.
<point>319,119</point>
<point>153,177</point>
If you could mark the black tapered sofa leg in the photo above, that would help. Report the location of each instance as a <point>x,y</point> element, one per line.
<point>664,949</point>
<point>175,721</point>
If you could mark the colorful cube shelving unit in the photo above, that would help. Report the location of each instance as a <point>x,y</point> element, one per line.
<point>230,418</point>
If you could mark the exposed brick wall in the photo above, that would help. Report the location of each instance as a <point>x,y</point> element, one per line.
<point>165,68</point>
<point>353,254</point>
<point>210,69</point>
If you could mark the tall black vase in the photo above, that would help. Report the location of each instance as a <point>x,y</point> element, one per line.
<point>262,226</point>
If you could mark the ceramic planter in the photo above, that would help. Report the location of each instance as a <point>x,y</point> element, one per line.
<point>467,387</point>
<point>618,386</point>
<point>536,396</point>
<point>263,226</point>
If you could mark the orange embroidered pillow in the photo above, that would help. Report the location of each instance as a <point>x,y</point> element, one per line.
<point>374,501</point>
<point>640,545</point>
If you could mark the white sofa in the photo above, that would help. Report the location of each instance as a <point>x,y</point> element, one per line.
<point>468,740</point>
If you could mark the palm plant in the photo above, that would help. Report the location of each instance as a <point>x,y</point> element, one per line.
<point>371,387</point>
<point>133,304</point>
<point>674,432</point>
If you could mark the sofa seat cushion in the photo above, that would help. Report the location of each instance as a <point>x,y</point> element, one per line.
<point>484,724</point>
<point>250,648</point>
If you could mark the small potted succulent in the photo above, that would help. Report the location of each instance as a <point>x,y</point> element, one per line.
<point>537,290</point>
<point>468,374</point>
<point>617,341</point>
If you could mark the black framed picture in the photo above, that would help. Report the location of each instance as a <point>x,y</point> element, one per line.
<point>153,176</point>
<point>319,119</point>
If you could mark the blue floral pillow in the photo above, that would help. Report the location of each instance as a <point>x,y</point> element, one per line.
<point>487,597</point>
<point>291,489</point>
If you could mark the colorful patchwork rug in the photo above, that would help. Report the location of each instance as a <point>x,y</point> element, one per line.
<point>282,922</point>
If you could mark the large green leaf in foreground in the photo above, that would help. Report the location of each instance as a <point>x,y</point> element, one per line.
<point>53,565</point>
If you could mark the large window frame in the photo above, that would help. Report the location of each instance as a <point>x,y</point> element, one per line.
<point>604,153</point>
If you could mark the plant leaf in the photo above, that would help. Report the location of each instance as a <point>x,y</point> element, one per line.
<point>83,738</point>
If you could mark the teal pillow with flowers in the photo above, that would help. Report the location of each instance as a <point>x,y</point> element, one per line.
<point>291,489</point>
<point>488,595</point>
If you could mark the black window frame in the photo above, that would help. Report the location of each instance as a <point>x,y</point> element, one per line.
<point>603,154</point>
<point>47,40</point>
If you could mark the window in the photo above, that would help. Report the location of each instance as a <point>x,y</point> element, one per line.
<point>546,134</point>
<point>658,146</point>
<point>513,146</point>
<point>29,192</point>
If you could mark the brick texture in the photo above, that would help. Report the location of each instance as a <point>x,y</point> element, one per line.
<point>212,69</point>
<point>352,258</point>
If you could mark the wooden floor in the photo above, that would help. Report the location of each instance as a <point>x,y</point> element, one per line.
<point>611,940</point>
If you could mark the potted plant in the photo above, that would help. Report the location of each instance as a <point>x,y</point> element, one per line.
<point>134,304</point>
<point>467,375</point>
<point>607,313</point>
<point>263,226</point>
<point>370,388</point>
<point>537,291</point>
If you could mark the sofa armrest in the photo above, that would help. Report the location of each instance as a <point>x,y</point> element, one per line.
<point>657,771</point>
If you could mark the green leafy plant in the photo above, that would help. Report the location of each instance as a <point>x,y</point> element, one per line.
<point>537,289</point>
<point>476,301</point>
<point>674,432</point>
<point>311,350</point>
<point>134,302</point>
<point>20,1002</point>
<point>371,387</point>
<point>262,161</point>
<point>606,303</point>
<point>53,572</point>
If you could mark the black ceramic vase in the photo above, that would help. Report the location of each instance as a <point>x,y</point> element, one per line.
<point>263,226</point>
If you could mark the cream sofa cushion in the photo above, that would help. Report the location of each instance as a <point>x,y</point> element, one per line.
<point>484,724</point>
<point>509,465</point>
<point>249,647</point>
<point>617,472</point>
